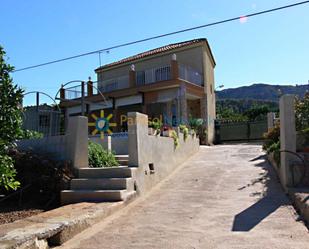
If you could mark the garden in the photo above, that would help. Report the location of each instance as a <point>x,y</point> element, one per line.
<point>272,137</point>
<point>195,127</point>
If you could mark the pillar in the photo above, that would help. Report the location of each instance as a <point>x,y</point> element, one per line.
<point>62,93</point>
<point>137,132</point>
<point>89,88</point>
<point>132,76</point>
<point>183,104</point>
<point>78,141</point>
<point>270,120</point>
<point>174,68</point>
<point>287,137</point>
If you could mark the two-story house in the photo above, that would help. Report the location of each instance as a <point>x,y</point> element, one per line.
<point>174,82</point>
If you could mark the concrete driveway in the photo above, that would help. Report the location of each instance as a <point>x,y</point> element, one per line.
<point>224,197</point>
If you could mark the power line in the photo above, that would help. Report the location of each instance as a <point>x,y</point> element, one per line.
<point>163,35</point>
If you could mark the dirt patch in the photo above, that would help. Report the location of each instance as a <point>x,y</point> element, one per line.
<point>41,178</point>
<point>9,215</point>
<point>16,208</point>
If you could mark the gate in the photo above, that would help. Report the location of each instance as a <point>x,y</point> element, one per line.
<point>240,130</point>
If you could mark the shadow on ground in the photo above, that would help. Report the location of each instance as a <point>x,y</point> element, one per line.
<point>271,198</point>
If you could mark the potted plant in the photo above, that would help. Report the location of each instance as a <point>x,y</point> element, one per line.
<point>154,128</point>
<point>150,128</point>
<point>167,130</point>
<point>184,129</point>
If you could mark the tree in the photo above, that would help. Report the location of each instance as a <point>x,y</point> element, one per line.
<point>302,113</point>
<point>257,112</point>
<point>10,122</point>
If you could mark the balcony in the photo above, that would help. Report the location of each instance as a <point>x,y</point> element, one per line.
<point>114,84</point>
<point>173,71</point>
<point>153,75</point>
<point>189,74</point>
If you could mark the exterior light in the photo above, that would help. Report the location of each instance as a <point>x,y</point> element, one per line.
<point>132,67</point>
<point>220,86</point>
<point>174,57</point>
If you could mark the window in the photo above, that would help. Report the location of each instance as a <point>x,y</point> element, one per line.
<point>111,86</point>
<point>140,78</point>
<point>163,73</point>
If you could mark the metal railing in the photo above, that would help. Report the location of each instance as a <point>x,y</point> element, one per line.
<point>73,92</point>
<point>114,84</point>
<point>190,74</point>
<point>153,75</point>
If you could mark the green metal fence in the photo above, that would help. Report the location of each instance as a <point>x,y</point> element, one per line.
<point>240,130</point>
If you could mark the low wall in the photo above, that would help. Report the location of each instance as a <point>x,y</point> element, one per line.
<point>72,147</point>
<point>54,146</point>
<point>119,143</point>
<point>154,156</point>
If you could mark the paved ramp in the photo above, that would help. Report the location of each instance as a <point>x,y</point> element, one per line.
<point>224,197</point>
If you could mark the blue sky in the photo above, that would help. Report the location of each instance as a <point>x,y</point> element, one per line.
<point>272,48</point>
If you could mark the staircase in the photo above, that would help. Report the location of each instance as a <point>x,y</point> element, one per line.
<point>102,184</point>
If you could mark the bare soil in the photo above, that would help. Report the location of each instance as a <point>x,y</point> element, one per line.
<point>11,213</point>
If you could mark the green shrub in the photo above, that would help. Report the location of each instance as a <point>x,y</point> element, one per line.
<point>10,122</point>
<point>176,139</point>
<point>302,113</point>
<point>156,126</point>
<point>7,173</point>
<point>275,148</point>
<point>29,134</point>
<point>99,157</point>
<point>195,123</point>
<point>184,129</point>
<point>271,137</point>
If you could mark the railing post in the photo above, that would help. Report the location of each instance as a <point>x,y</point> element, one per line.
<point>62,93</point>
<point>132,76</point>
<point>89,88</point>
<point>174,68</point>
<point>287,137</point>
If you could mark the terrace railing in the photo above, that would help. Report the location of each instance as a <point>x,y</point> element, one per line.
<point>190,74</point>
<point>153,75</point>
<point>114,84</point>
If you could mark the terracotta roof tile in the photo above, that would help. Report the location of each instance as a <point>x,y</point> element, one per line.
<point>153,52</point>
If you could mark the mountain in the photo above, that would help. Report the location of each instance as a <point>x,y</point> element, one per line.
<point>263,92</point>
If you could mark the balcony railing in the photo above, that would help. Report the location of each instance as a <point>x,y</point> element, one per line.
<point>73,92</point>
<point>153,75</point>
<point>114,84</point>
<point>190,74</point>
<point>145,77</point>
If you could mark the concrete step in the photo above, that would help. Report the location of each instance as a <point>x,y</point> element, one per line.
<point>113,172</point>
<point>75,196</point>
<point>102,184</point>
